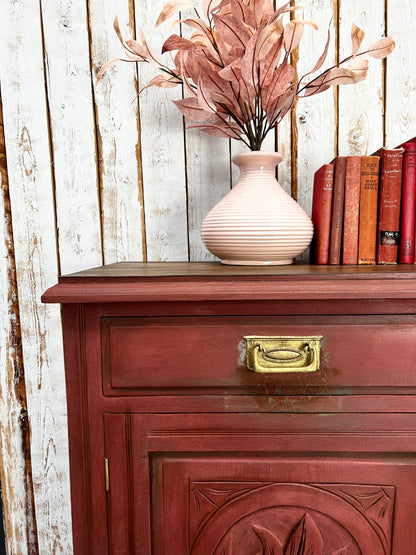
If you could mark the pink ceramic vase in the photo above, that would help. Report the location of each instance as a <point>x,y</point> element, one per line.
<point>257,222</point>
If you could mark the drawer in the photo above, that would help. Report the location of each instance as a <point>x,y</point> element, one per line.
<point>145,355</point>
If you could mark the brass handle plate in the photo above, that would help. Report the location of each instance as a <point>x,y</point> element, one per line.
<point>283,354</point>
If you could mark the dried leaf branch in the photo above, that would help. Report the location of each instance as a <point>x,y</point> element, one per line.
<point>235,68</point>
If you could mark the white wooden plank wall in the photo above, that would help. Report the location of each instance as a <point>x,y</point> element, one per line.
<point>96,175</point>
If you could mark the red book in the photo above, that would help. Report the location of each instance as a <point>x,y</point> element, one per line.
<point>391,166</point>
<point>337,210</point>
<point>367,235</point>
<point>351,210</point>
<point>321,212</point>
<point>407,221</point>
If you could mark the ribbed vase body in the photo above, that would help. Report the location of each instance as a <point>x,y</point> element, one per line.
<point>257,222</point>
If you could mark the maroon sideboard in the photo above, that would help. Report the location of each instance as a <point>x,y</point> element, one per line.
<point>220,410</point>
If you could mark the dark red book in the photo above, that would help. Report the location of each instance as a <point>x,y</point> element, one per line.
<point>407,218</point>
<point>367,234</point>
<point>337,217</point>
<point>391,167</point>
<point>321,212</point>
<point>351,210</point>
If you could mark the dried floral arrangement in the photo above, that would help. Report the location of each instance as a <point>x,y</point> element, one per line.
<point>235,67</point>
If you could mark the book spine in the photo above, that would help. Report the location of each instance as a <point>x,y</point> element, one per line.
<point>337,211</point>
<point>407,217</point>
<point>367,234</point>
<point>351,210</point>
<point>321,212</point>
<point>389,206</point>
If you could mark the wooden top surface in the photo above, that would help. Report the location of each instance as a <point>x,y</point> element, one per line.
<point>198,281</point>
<point>128,270</point>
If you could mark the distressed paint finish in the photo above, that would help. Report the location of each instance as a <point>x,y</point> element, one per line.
<point>315,117</point>
<point>117,135</point>
<point>32,208</point>
<point>162,148</point>
<point>65,29</point>
<point>361,109</point>
<point>15,461</point>
<point>105,209</point>
<point>400,75</point>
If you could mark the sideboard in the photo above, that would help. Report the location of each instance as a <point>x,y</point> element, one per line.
<point>225,410</point>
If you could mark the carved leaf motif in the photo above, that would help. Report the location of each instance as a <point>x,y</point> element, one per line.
<point>305,538</point>
<point>271,545</point>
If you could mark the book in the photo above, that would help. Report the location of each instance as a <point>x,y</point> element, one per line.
<point>351,210</point>
<point>407,215</point>
<point>337,210</point>
<point>367,232</point>
<point>391,165</point>
<point>321,212</point>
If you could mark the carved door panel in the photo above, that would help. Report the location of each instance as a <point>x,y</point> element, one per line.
<point>218,485</point>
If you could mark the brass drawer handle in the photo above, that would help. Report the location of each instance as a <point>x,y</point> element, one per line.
<point>283,354</point>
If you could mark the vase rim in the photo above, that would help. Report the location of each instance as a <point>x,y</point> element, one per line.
<point>269,155</point>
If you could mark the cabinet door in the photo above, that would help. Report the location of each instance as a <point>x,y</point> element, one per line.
<point>250,484</point>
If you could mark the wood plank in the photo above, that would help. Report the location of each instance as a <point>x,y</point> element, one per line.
<point>400,76</point>
<point>314,130</point>
<point>117,120</point>
<point>15,463</point>
<point>162,148</point>
<point>71,120</point>
<point>361,106</point>
<point>32,207</point>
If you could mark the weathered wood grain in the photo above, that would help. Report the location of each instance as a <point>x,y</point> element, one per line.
<point>118,136</point>
<point>33,221</point>
<point>361,106</point>
<point>314,133</point>
<point>71,120</point>
<point>400,73</point>
<point>162,149</point>
<point>15,459</point>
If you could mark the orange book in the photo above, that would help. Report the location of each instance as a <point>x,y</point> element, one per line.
<point>391,168</point>
<point>337,211</point>
<point>367,233</point>
<point>321,213</point>
<point>351,210</point>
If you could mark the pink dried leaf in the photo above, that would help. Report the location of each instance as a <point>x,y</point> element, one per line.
<point>268,37</point>
<point>136,48</point>
<point>240,11</point>
<point>323,56</point>
<point>164,81</point>
<point>359,66</point>
<point>250,64</point>
<point>357,36</point>
<point>116,27</point>
<point>268,65</point>
<point>150,57</point>
<point>293,32</point>
<point>230,131</point>
<point>258,9</point>
<point>104,68</point>
<point>175,42</point>
<point>208,6</point>
<point>233,31</point>
<point>205,99</point>
<point>191,109</point>
<point>381,48</point>
<point>196,23</point>
<point>286,8</point>
<point>172,8</point>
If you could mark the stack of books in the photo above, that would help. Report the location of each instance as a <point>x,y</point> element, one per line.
<point>364,208</point>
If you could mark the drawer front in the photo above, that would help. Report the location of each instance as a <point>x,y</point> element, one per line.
<point>145,354</point>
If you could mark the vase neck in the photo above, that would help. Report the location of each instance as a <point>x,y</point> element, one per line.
<point>257,161</point>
